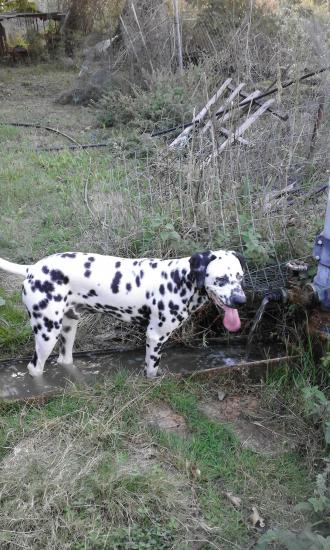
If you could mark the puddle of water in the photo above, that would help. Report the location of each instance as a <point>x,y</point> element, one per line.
<point>16,382</point>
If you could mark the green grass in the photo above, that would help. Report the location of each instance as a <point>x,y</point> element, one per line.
<point>15,328</point>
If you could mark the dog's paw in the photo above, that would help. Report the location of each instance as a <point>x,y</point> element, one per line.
<point>34,371</point>
<point>151,374</point>
<point>64,362</point>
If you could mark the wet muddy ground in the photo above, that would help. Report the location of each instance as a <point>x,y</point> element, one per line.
<point>16,382</point>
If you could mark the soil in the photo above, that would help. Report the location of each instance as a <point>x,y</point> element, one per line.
<point>247,419</point>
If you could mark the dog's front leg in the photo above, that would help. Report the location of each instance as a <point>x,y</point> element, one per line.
<point>153,352</point>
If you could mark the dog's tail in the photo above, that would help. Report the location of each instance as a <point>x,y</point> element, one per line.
<point>17,269</point>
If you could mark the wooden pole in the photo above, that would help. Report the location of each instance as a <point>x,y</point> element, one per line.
<point>178,34</point>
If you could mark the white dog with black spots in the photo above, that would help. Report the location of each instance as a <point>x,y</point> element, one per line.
<point>159,294</point>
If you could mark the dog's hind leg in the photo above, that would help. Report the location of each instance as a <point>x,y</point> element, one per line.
<point>67,337</point>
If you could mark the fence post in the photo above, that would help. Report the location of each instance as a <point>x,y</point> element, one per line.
<point>178,34</point>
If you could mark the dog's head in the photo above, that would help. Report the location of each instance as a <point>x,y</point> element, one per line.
<point>220,273</point>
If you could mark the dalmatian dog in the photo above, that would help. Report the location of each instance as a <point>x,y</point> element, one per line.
<point>159,294</point>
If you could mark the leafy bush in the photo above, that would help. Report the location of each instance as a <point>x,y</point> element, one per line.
<point>165,102</point>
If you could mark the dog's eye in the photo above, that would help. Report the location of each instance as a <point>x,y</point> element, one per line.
<point>221,281</point>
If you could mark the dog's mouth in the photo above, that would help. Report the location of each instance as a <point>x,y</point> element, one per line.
<point>231,320</point>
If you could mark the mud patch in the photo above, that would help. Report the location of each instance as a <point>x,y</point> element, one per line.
<point>164,418</point>
<point>243,414</point>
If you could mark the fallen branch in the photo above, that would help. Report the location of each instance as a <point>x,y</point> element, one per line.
<point>73,147</point>
<point>214,371</point>
<point>48,128</point>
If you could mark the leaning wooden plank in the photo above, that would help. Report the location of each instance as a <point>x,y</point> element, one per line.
<point>181,140</point>
<point>249,121</point>
<point>250,97</point>
<point>274,112</point>
<point>225,106</point>
<point>227,133</point>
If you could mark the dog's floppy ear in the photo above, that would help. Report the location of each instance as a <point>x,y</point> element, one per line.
<point>242,260</point>
<point>198,264</point>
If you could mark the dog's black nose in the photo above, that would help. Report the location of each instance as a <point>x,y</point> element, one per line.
<point>238,299</point>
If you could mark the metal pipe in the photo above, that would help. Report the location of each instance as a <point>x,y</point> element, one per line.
<point>321,252</point>
<point>326,230</point>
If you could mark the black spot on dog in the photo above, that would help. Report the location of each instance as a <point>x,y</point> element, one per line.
<point>36,307</point>
<point>154,302</point>
<point>45,337</point>
<point>45,270</point>
<point>154,265</point>
<point>115,282</point>
<point>58,277</point>
<point>222,281</point>
<point>137,280</point>
<point>34,359</point>
<point>162,290</point>
<point>71,314</point>
<point>161,305</point>
<point>145,312</point>
<point>170,286</point>
<point>183,292</point>
<point>175,276</point>
<point>147,294</point>
<point>68,255</point>
<point>117,264</point>
<point>48,324</point>
<point>128,286</point>
<point>87,273</point>
<point>43,304</point>
<point>91,293</point>
<point>135,262</point>
<point>91,259</point>
<point>164,275</point>
<point>160,324</point>
<point>46,287</point>
<point>87,265</point>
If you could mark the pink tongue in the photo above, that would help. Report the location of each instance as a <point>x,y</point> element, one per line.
<point>231,319</point>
